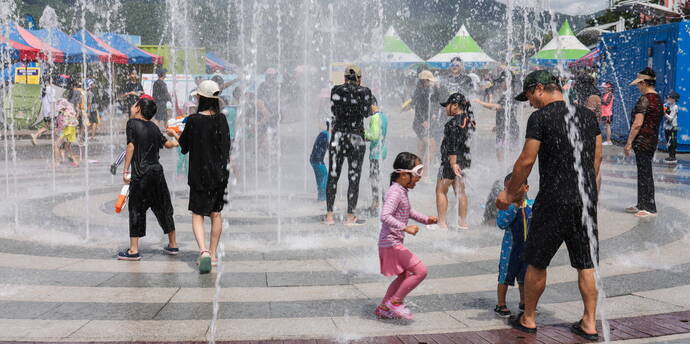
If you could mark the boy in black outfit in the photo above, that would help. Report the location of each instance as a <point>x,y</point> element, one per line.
<point>147,186</point>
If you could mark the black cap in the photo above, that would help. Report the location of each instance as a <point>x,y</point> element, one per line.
<point>674,95</point>
<point>533,79</point>
<point>161,71</point>
<point>455,98</point>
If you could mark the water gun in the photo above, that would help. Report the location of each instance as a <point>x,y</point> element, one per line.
<point>176,124</point>
<point>122,198</point>
<point>405,105</point>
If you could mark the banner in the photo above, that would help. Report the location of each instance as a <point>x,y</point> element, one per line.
<point>27,75</point>
<point>23,104</point>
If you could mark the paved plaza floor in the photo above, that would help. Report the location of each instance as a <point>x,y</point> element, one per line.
<point>285,276</point>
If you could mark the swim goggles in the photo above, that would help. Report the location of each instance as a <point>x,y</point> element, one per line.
<point>416,171</point>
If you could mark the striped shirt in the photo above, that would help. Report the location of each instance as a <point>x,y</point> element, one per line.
<point>396,211</point>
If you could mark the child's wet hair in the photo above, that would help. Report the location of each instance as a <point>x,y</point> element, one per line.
<point>148,107</point>
<point>404,161</point>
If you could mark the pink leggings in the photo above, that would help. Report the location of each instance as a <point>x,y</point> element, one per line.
<point>405,283</point>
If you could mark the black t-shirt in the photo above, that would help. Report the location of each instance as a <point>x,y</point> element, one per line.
<point>159,92</point>
<point>651,107</point>
<point>558,178</point>
<point>426,103</point>
<point>456,135</point>
<point>350,105</point>
<point>129,100</point>
<point>207,140</point>
<point>147,140</point>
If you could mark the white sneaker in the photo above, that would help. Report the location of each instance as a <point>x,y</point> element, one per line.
<point>606,143</point>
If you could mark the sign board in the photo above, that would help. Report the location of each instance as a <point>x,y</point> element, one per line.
<point>27,75</point>
<point>23,104</point>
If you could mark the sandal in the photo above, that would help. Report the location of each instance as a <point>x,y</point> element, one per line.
<point>576,328</point>
<point>516,324</point>
<point>326,222</point>
<point>204,262</point>
<point>502,311</point>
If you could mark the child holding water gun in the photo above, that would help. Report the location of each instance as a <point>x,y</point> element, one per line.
<point>394,257</point>
<point>147,186</point>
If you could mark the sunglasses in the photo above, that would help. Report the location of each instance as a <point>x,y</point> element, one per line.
<point>415,171</point>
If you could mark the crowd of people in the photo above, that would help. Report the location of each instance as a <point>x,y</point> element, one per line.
<point>444,123</point>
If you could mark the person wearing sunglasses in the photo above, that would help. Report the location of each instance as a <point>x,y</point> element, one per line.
<point>394,257</point>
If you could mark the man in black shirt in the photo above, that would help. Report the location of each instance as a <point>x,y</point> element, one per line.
<point>569,149</point>
<point>351,103</point>
<point>147,186</point>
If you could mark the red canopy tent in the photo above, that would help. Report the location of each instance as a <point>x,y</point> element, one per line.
<point>18,51</point>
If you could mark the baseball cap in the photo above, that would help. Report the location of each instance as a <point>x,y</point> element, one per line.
<point>161,71</point>
<point>674,95</point>
<point>645,74</point>
<point>207,89</point>
<point>455,98</point>
<point>353,70</point>
<point>533,79</point>
<point>426,75</point>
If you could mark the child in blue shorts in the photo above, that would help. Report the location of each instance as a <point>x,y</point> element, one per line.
<point>511,266</point>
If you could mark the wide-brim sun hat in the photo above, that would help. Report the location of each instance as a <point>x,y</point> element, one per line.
<point>426,75</point>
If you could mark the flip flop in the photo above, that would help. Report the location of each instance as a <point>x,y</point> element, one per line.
<point>327,223</point>
<point>204,263</point>
<point>516,324</point>
<point>576,328</point>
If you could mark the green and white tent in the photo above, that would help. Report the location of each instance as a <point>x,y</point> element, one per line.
<point>394,55</point>
<point>465,47</point>
<point>563,48</point>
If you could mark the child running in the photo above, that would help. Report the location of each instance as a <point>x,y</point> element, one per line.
<point>316,159</point>
<point>511,266</point>
<point>206,137</point>
<point>376,135</point>
<point>67,119</point>
<point>395,259</point>
<point>147,186</point>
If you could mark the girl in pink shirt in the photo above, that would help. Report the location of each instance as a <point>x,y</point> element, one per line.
<point>395,259</point>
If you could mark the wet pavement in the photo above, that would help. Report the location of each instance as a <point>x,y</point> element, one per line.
<point>285,276</point>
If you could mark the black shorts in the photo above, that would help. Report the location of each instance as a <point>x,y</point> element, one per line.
<point>205,202</point>
<point>93,117</point>
<point>551,225</point>
<point>446,172</point>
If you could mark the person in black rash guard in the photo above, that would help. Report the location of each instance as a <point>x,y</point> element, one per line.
<point>206,137</point>
<point>147,186</point>
<point>351,103</point>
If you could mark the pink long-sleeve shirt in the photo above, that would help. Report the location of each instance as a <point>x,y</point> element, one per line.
<point>394,216</point>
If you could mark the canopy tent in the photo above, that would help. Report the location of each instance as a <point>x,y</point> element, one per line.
<point>563,48</point>
<point>89,39</point>
<point>465,47</point>
<point>395,54</point>
<point>216,64</point>
<point>75,52</point>
<point>17,51</point>
<point>588,60</point>
<point>135,55</point>
<point>21,35</point>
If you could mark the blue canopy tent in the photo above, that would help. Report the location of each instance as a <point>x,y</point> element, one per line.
<point>75,52</point>
<point>135,55</point>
